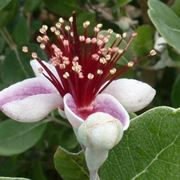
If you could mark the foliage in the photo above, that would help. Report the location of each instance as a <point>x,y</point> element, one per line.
<point>150,148</point>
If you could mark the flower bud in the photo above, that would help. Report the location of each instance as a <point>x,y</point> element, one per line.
<point>100,131</point>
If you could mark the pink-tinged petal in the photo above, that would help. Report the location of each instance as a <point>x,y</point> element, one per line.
<point>37,68</point>
<point>108,104</point>
<point>23,89</point>
<point>69,109</point>
<point>33,108</point>
<point>132,94</point>
<point>103,103</point>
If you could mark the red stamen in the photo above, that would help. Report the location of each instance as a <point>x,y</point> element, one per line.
<point>85,65</point>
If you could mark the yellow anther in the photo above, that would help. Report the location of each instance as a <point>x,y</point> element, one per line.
<point>99,26</point>
<point>34,55</point>
<point>71,19</point>
<point>103,60</point>
<point>42,46</point>
<point>52,29</point>
<point>39,39</point>
<point>67,28</point>
<point>90,76</point>
<point>86,24</point>
<point>66,75</point>
<point>58,25</point>
<point>152,52</point>
<point>124,35</point>
<point>61,20</point>
<point>130,64</point>
<point>113,71</point>
<point>25,49</point>
<point>99,71</point>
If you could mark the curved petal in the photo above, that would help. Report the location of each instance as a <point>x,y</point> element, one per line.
<point>23,89</point>
<point>103,103</point>
<point>69,109</point>
<point>132,94</point>
<point>29,100</point>
<point>33,108</point>
<point>37,68</point>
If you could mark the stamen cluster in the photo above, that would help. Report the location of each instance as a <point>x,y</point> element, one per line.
<point>85,65</point>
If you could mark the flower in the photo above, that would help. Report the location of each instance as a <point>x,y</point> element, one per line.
<point>79,79</point>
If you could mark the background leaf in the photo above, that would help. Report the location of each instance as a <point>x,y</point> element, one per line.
<point>175,93</point>
<point>61,7</point>
<point>71,166</point>
<point>8,13</point>
<point>19,137</point>
<point>149,149</point>
<point>31,5</point>
<point>176,7</point>
<point>4,3</point>
<point>21,32</point>
<point>166,22</point>
<point>11,69</point>
<point>123,2</point>
<point>143,42</point>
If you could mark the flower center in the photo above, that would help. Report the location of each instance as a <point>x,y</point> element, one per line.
<point>85,65</point>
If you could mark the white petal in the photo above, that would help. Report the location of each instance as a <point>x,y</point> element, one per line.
<point>33,108</point>
<point>23,89</point>
<point>102,103</point>
<point>132,94</point>
<point>108,104</point>
<point>74,119</point>
<point>36,67</point>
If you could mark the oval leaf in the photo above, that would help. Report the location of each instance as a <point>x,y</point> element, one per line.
<point>17,137</point>
<point>149,149</point>
<point>166,22</point>
<point>70,166</point>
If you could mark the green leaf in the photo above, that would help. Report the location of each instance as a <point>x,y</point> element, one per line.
<point>176,7</point>
<point>8,13</point>
<point>143,42</point>
<point>31,5</point>
<point>11,70</point>
<point>21,32</point>
<point>149,148</point>
<point>70,166</point>
<point>175,95</point>
<point>4,3</point>
<point>62,7</point>
<point>166,22</point>
<point>16,137</point>
<point>123,2</point>
<point>38,172</point>
<point>12,178</point>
